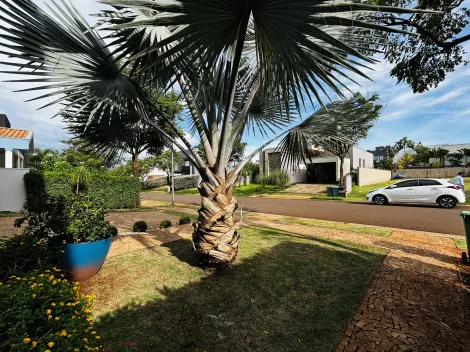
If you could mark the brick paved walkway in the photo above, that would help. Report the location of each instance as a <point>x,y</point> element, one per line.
<point>415,303</point>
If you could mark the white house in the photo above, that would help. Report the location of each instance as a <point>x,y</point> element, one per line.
<point>16,146</point>
<point>324,168</point>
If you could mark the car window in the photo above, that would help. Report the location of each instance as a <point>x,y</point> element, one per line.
<point>429,183</point>
<point>407,183</point>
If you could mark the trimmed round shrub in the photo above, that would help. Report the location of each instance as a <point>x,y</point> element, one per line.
<point>140,226</point>
<point>113,230</point>
<point>43,311</point>
<point>185,220</point>
<point>165,224</point>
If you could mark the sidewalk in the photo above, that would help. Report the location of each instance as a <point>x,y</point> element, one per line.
<point>415,303</point>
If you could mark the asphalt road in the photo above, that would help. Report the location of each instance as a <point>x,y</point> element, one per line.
<point>412,217</point>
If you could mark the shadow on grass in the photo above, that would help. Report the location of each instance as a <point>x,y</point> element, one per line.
<point>181,249</point>
<point>295,295</point>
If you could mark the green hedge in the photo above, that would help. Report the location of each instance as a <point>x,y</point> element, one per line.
<point>181,182</point>
<point>116,192</point>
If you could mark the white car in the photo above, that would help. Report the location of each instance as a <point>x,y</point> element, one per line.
<point>430,191</point>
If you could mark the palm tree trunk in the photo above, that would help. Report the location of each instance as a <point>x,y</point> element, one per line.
<point>216,234</point>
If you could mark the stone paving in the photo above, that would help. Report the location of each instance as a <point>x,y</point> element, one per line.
<point>416,302</point>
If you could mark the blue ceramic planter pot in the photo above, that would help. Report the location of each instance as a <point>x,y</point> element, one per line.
<point>83,260</point>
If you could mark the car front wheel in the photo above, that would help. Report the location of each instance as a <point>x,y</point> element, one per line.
<point>380,200</point>
<point>447,202</point>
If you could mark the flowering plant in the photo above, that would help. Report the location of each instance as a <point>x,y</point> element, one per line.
<point>44,312</point>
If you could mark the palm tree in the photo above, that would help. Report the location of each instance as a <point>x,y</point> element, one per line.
<point>439,153</point>
<point>405,161</point>
<point>239,64</point>
<point>466,154</point>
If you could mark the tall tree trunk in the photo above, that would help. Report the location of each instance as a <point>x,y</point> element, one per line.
<point>135,164</point>
<point>216,234</point>
<point>341,171</point>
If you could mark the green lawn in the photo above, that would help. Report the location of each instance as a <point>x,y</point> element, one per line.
<point>286,292</point>
<point>338,226</point>
<point>243,191</point>
<point>461,243</point>
<point>9,214</point>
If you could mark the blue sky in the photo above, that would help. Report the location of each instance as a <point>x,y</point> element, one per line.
<point>438,116</point>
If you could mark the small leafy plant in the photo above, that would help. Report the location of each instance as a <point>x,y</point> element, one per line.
<point>140,226</point>
<point>76,219</point>
<point>113,230</point>
<point>165,224</point>
<point>42,311</point>
<point>185,220</point>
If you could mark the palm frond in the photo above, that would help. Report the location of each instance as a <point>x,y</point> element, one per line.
<point>71,61</point>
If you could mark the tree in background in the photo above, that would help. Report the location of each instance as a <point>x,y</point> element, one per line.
<point>240,66</point>
<point>405,161</point>
<point>77,153</point>
<point>423,60</point>
<point>349,120</point>
<point>466,155</point>
<point>455,159</point>
<point>440,154</point>
<point>422,155</point>
<point>121,136</point>
<point>163,162</point>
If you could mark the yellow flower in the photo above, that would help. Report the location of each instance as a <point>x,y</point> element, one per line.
<point>1,283</point>
<point>34,343</point>
<point>26,340</point>
<point>97,337</point>
<point>61,304</point>
<point>48,311</point>
<point>47,271</point>
<point>63,333</point>
<point>93,332</point>
<point>47,351</point>
<point>53,304</point>
<point>56,318</point>
<point>50,344</point>
<point>18,278</point>
<point>49,316</point>
<point>41,275</point>
<point>21,243</point>
<point>54,282</point>
<point>33,296</point>
<point>51,277</point>
<point>85,339</point>
<point>62,251</point>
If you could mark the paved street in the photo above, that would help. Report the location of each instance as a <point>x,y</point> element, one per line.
<point>421,218</point>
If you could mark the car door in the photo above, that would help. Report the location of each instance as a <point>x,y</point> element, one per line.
<point>428,190</point>
<point>403,192</point>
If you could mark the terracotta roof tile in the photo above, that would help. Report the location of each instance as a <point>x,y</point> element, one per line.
<point>13,133</point>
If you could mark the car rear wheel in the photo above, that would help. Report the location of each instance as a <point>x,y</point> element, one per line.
<point>380,200</point>
<point>447,202</point>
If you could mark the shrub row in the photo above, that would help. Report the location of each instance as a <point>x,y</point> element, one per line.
<point>155,182</point>
<point>116,192</point>
<point>278,178</point>
<point>181,182</point>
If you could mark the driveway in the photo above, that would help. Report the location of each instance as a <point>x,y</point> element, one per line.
<point>420,218</point>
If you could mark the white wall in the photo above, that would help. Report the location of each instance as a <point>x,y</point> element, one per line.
<point>372,176</point>
<point>299,175</point>
<point>361,158</point>
<point>12,190</point>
